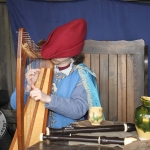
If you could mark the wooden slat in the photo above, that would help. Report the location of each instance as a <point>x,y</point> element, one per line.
<point>87,60</point>
<point>138,78</point>
<point>95,66</point>
<point>122,88</point>
<point>112,87</point>
<point>113,47</point>
<point>130,88</point>
<point>104,84</point>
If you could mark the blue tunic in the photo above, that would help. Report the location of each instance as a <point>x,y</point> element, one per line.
<point>72,96</point>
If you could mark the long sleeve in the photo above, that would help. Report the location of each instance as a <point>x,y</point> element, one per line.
<point>13,99</point>
<point>75,107</point>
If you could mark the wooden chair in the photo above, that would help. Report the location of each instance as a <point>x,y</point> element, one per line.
<point>119,66</point>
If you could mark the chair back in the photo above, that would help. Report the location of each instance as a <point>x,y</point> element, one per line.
<point>119,66</point>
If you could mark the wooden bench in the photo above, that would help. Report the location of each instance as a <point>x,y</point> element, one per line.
<point>119,66</point>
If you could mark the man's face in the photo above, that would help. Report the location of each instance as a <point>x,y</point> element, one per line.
<point>61,61</point>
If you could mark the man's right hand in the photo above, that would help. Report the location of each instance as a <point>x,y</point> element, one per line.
<point>31,77</point>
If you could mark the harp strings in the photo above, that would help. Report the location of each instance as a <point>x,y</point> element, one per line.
<point>32,62</point>
<point>29,46</point>
<point>31,43</point>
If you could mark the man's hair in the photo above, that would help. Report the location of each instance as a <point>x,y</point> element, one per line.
<point>78,59</point>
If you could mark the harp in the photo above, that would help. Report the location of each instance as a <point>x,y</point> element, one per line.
<point>31,118</point>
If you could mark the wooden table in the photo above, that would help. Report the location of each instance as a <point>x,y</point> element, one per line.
<point>47,145</point>
<point>65,145</point>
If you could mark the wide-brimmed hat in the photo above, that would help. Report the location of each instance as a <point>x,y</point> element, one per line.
<point>66,40</point>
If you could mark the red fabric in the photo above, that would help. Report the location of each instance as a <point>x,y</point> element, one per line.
<point>62,68</point>
<point>66,40</point>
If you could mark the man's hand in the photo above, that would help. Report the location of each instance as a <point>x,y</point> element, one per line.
<point>37,94</point>
<point>31,77</point>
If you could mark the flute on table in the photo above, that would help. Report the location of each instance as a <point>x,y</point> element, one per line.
<point>126,127</point>
<point>92,139</point>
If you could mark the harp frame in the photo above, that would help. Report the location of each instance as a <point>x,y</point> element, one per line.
<point>22,55</point>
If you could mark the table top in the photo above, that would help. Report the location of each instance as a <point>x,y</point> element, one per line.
<point>59,145</point>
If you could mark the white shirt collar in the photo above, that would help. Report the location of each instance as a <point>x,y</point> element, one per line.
<point>65,71</point>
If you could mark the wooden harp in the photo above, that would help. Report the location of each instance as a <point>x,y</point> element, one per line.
<point>31,118</point>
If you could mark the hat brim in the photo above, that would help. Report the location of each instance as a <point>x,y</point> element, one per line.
<point>66,53</point>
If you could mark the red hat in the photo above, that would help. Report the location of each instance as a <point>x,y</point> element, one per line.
<point>66,40</point>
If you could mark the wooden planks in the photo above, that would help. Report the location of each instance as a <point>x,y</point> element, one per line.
<point>119,66</point>
<point>112,92</point>
<point>130,88</point>
<point>122,87</point>
<point>104,73</point>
